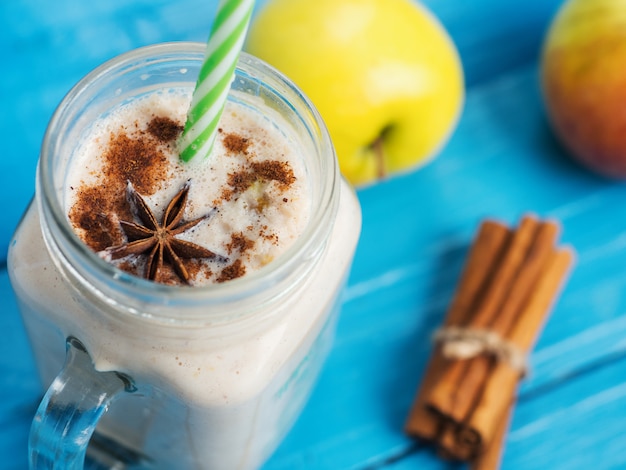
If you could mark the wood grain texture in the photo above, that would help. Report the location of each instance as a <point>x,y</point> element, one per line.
<point>501,162</point>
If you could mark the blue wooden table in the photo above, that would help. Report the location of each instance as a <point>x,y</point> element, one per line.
<point>502,161</point>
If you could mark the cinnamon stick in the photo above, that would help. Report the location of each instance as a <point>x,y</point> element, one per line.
<point>487,248</point>
<point>446,394</point>
<point>490,459</point>
<point>449,447</point>
<point>500,387</point>
<point>477,369</point>
<point>505,272</point>
<point>453,448</point>
<point>488,244</point>
<point>507,287</point>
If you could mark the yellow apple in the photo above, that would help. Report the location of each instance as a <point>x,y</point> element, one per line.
<point>384,75</point>
<point>583,73</point>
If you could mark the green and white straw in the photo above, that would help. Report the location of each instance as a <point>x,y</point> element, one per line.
<point>209,97</point>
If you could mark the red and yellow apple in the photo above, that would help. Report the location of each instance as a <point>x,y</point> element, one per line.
<point>384,75</point>
<point>583,73</point>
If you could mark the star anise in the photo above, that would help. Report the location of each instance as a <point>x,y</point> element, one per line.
<point>158,240</point>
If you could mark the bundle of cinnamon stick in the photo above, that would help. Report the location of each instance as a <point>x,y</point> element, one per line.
<point>510,280</point>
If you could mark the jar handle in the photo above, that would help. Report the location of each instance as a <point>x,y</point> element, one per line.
<point>69,411</point>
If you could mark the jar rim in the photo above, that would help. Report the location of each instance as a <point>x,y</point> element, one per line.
<point>111,279</point>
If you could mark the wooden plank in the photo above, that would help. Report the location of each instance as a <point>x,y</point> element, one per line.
<point>578,425</point>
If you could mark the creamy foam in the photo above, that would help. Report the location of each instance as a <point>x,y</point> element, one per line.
<point>250,226</point>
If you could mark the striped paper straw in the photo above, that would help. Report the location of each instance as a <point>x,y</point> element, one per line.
<point>217,72</point>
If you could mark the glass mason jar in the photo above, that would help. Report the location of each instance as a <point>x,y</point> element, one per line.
<point>176,377</point>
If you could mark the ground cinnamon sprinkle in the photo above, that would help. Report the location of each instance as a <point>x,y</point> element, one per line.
<point>274,170</point>
<point>270,237</point>
<point>241,180</point>
<point>93,211</point>
<point>196,267</point>
<point>135,159</point>
<point>236,143</point>
<point>164,129</point>
<point>238,241</point>
<point>167,275</point>
<point>231,272</point>
<point>226,195</point>
<point>267,171</point>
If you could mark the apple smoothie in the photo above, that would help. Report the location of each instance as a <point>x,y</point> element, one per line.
<point>239,209</point>
<point>213,286</point>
